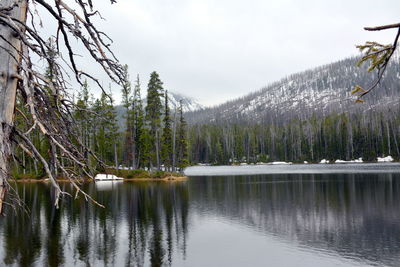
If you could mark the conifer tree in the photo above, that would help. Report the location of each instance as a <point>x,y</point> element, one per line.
<point>138,123</point>
<point>49,149</point>
<point>105,136</point>
<point>166,139</point>
<point>182,145</point>
<point>83,118</point>
<point>146,145</point>
<point>127,102</point>
<point>113,133</point>
<point>153,116</point>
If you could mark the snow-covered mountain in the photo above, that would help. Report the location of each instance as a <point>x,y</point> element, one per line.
<point>188,103</point>
<point>318,91</point>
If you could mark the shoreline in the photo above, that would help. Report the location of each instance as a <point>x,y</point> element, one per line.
<point>170,178</point>
<point>136,179</point>
<point>281,163</point>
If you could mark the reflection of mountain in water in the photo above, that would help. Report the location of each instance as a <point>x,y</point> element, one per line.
<point>142,225</point>
<point>353,215</point>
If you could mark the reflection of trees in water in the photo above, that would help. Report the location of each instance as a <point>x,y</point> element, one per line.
<point>157,222</point>
<point>146,224</point>
<point>142,224</point>
<point>354,215</point>
<point>22,235</point>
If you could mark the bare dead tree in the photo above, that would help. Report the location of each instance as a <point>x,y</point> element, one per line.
<point>379,56</point>
<point>47,100</point>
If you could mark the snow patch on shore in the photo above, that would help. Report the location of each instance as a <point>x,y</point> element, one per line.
<point>385,159</point>
<point>280,163</point>
<point>359,160</point>
<point>106,177</point>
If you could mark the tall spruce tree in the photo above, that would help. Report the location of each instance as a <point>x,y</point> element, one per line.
<point>82,114</point>
<point>49,148</point>
<point>127,102</point>
<point>105,136</point>
<point>182,144</point>
<point>113,130</point>
<point>153,116</point>
<point>166,139</point>
<point>146,145</point>
<point>83,118</point>
<point>138,124</point>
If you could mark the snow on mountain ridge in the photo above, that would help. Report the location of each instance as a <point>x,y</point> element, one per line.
<point>188,103</point>
<point>320,90</point>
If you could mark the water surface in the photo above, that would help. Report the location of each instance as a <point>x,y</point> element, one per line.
<point>278,219</point>
<point>294,168</point>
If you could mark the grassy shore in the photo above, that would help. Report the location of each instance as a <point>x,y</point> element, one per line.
<point>128,175</point>
<point>143,175</point>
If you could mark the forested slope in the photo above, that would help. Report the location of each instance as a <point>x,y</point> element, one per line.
<point>321,90</point>
<point>307,116</point>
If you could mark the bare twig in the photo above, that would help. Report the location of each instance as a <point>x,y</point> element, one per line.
<point>383,27</point>
<point>379,55</point>
<point>45,97</point>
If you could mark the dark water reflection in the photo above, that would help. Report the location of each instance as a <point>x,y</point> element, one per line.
<point>266,220</point>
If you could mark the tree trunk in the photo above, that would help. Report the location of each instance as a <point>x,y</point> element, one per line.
<point>388,138</point>
<point>116,156</point>
<point>158,150</point>
<point>10,60</point>
<point>174,144</point>
<point>134,153</point>
<point>53,159</point>
<point>395,138</point>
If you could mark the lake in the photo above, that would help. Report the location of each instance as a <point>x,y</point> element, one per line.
<point>270,215</point>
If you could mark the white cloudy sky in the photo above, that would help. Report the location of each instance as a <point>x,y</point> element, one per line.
<point>215,50</point>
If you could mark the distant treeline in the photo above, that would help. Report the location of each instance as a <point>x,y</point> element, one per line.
<point>336,136</point>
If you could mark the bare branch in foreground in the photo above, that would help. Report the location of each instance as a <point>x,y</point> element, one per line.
<point>379,56</point>
<point>43,100</point>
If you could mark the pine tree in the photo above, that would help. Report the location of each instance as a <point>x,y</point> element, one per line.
<point>146,145</point>
<point>83,118</point>
<point>166,139</point>
<point>48,148</point>
<point>113,133</point>
<point>182,145</point>
<point>127,102</point>
<point>106,134</point>
<point>153,115</point>
<point>138,123</point>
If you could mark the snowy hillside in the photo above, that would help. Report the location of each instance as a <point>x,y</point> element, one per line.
<point>318,91</point>
<point>188,103</point>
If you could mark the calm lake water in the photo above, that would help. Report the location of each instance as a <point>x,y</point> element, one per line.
<point>313,216</point>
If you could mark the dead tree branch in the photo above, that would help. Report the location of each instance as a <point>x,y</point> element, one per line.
<point>379,56</point>
<point>47,106</point>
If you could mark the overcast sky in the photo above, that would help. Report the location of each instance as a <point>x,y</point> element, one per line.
<point>216,50</point>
